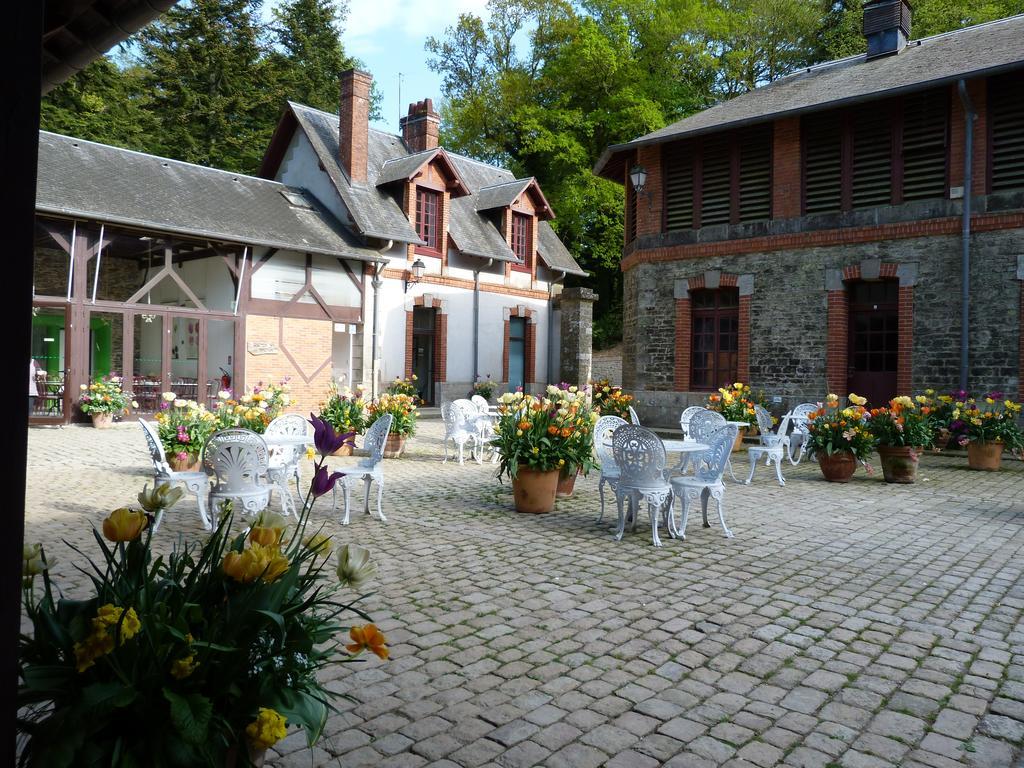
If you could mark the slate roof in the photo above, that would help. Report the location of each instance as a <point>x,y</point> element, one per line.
<point>378,214</point>
<point>925,63</point>
<point>119,186</point>
<point>500,195</point>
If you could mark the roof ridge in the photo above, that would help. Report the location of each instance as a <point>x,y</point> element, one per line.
<point>505,183</point>
<point>233,174</point>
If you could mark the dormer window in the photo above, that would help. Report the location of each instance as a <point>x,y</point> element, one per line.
<point>428,220</point>
<point>522,241</point>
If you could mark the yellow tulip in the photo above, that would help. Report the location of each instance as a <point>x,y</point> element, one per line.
<point>267,529</point>
<point>256,562</point>
<point>124,524</point>
<point>267,729</point>
<point>182,668</point>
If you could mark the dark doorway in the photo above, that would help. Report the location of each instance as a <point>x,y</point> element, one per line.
<point>517,354</point>
<point>424,335</point>
<point>874,340</point>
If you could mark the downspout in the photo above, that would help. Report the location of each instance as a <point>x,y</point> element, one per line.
<point>965,231</point>
<point>551,326</point>
<point>476,318</point>
<point>377,283</point>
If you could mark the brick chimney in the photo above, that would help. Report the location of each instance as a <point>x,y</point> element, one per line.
<point>354,122</point>
<point>886,26</point>
<point>421,127</point>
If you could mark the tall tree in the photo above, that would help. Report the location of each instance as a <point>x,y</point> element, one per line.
<point>209,83</point>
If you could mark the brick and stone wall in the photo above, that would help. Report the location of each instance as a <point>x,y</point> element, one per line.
<point>290,348</point>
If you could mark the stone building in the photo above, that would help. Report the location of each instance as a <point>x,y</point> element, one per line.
<point>357,256</point>
<point>810,236</point>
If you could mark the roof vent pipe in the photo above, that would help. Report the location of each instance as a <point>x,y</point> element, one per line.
<point>886,26</point>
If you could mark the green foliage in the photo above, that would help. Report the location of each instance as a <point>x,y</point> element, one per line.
<point>345,411</point>
<point>545,434</point>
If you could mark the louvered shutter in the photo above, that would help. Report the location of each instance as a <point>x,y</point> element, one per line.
<point>823,163</point>
<point>1006,110</point>
<point>925,125</point>
<point>716,182</point>
<point>678,188</point>
<point>755,148</point>
<point>872,156</point>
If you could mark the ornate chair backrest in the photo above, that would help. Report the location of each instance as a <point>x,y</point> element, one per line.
<point>289,424</point>
<point>800,413</point>
<point>603,430</point>
<point>237,458</point>
<point>764,421</point>
<point>448,417</point>
<point>634,419</point>
<point>465,413</point>
<point>684,419</point>
<point>376,436</point>
<point>704,424</point>
<point>769,437</point>
<point>640,456</point>
<point>481,404</point>
<point>712,463</point>
<point>156,448</point>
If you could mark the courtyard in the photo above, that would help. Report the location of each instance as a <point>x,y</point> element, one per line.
<point>861,626</point>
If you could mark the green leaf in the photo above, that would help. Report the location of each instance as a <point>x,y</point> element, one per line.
<point>100,696</point>
<point>190,715</point>
<point>277,618</point>
<point>304,709</point>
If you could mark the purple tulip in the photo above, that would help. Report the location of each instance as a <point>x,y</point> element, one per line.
<point>323,481</point>
<point>327,441</point>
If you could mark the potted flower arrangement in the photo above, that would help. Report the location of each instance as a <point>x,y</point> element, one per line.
<point>402,407</point>
<point>940,417</point>
<point>484,387</point>
<point>840,437</point>
<point>610,400</point>
<point>104,399</point>
<point>990,427</point>
<point>407,387</point>
<point>253,410</point>
<point>206,657</point>
<point>184,427</point>
<point>536,439</point>
<point>346,412</point>
<point>575,405</point>
<point>901,431</point>
<point>736,403</point>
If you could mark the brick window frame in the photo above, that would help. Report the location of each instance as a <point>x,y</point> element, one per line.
<point>428,219</point>
<point>440,335</point>
<point>683,368</point>
<point>521,240</point>
<point>837,339</point>
<point>530,353</point>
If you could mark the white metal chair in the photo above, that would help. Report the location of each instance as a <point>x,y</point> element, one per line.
<point>485,425</point>
<point>684,419</point>
<point>603,430</point>
<point>238,459</point>
<point>798,437</point>
<point>633,418</point>
<point>284,460</point>
<point>773,445</point>
<point>706,481</point>
<point>369,470</point>
<point>461,426</point>
<point>197,483</point>
<point>640,456</point>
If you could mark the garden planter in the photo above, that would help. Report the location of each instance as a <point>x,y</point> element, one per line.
<point>941,440</point>
<point>394,446</point>
<point>839,467</point>
<point>535,491</point>
<point>188,464</point>
<point>345,450</point>
<point>102,420</point>
<point>566,483</point>
<point>984,456</point>
<point>899,463</point>
<point>740,434</point>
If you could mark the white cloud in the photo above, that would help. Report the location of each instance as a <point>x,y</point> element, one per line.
<point>376,25</point>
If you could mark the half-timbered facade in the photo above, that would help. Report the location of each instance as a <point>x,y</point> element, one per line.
<point>810,236</point>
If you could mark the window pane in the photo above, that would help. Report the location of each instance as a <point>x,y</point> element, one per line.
<point>147,361</point>
<point>106,344</point>
<point>51,262</point>
<point>46,387</point>
<point>220,350</point>
<point>185,357</point>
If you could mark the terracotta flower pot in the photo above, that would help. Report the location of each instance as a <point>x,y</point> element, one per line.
<point>839,467</point>
<point>899,463</point>
<point>535,491</point>
<point>345,450</point>
<point>740,434</point>
<point>941,440</point>
<point>394,446</point>
<point>102,420</point>
<point>984,456</point>
<point>189,464</point>
<point>566,483</point>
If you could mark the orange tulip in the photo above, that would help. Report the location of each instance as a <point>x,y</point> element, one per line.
<point>368,637</point>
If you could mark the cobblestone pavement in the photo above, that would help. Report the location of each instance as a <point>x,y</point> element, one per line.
<point>857,626</point>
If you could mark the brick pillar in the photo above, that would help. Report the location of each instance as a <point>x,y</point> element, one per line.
<point>836,342</point>
<point>649,202</point>
<point>440,346</point>
<point>904,361</point>
<point>743,342</point>
<point>354,122</point>
<point>504,353</point>
<point>786,192</point>
<point>576,335</point>
<point>684,329</point>
<point>421,128</point>
<point>530,375</point>
<point>408,344</point>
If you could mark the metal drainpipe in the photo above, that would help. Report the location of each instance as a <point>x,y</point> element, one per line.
<point>476,318</point>
<point>551,325</point>
<point>377,283</point>
<point>965,231</point>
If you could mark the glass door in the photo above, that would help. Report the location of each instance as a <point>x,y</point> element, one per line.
<point>48,363</point>
<point>423,336</point>
<point>147,360</point>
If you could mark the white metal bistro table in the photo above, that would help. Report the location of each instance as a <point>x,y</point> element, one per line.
<point>685,448</point>
<point>286,440</point>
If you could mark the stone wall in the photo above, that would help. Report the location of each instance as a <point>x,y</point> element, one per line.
<point>789,316</point>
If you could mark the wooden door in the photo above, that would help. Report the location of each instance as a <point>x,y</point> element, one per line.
<point>873,354</point>
<point>424,334</point>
